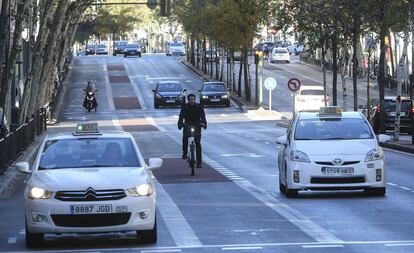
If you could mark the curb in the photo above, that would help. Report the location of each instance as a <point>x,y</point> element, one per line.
<point>239,104</point>
<point>398,147</point>
<point>27,155</point>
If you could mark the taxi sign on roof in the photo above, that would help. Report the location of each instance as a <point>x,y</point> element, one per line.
<point>330,111</point>
<point>87,128</point>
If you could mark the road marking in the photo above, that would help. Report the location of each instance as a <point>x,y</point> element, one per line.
<point>392,184</point>
<point>405,188</point>
<point>109,95</point>
<point>241,248</point>
<point>160,250</point>
<point>398,244</point>
<point>323,246</point>
<point>12,240</point>
<point>267,142</point>
<point>22,232</point>
<point>180,230</point>
<point>398,151</point>
<point>135,88</point>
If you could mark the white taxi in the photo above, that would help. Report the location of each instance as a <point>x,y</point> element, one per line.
<point>310,98</point>
<point>331,150</point>
<point>90,182</point>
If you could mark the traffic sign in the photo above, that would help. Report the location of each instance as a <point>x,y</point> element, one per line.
<point>270,83</point>
<point>152,4</point>
<point>293,84</point>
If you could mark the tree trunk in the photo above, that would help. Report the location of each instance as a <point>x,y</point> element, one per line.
<point>239,91</point>
<point>4,54</point>
<point>381,80</point>
<point>391,55</point>
<point>355,40</point>
<point>204,56</point>
<point>344,65</point>
<point>246,75</point>
<point>335,71</point>
<point>324,72</point>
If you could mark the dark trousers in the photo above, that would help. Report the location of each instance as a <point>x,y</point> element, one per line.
<point>197,140</point>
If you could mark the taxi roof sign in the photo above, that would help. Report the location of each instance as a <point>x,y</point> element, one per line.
<point>330,112</point>
<point>87,128</point>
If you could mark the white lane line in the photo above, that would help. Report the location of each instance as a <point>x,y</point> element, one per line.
<point>181,232</point>
<point>160,250</point>
<point>152,122</point>
<point>12,240</point>
<point>241,248</point>
<point>398,244</point>
<point>412,191</point>
<point>267,142</point>
<point>398,151</point>
<point>109,96</point>
<point>405,188</point>
<point>22,232</point>
<point>392,184</point>
<point>134,86</point>
<point>323,246</point>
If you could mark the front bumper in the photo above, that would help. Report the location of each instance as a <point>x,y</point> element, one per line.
<point>215,101</point>
<point>54,211</point>
<point>309,176</point>
<point>168,101</point>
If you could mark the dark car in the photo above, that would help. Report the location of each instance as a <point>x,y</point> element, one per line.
<point>407,112</point>
<point>90,49</point>
<point>215,93</point>
<point>119,47</point>
<point>168,93</point>
<point>132,50</point>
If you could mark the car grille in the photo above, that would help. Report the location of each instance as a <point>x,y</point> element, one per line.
<point>90,220</point>
<point>337,180</point>
<point>344,163</point>
<point>90,195</point>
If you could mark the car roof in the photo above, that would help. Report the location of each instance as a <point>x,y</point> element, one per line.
<point>173,81</point>
<point>102,134</point>
<point>221,83</point>
<point>311,87</point>
<point>315,115</point>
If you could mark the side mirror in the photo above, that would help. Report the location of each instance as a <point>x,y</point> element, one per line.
<point>155,163</point>
<point>383,138</point>
<point>23,167</point>
<point>199,91</point>
<point>282,140</point>
<point>84,89</point>
<point>96,90</point>
<point>153,91</point>
<point>184,90</point>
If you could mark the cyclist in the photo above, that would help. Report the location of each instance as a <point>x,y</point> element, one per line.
<point>192,114</point>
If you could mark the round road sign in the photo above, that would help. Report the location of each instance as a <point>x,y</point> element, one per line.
<point>270,83</point>
<point>294,84</point>
<point>152,4</point>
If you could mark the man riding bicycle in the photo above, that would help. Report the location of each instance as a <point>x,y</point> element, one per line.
<point>192,114</point>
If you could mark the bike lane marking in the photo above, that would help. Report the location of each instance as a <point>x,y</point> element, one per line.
<point>109,96</point>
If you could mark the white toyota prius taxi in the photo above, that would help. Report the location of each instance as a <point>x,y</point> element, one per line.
<point>90,182</point>
<point>331,150</point>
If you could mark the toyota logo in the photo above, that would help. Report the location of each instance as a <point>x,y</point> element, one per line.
<point>337,161</point>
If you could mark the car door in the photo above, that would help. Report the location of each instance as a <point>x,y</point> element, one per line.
<point>284,151</point>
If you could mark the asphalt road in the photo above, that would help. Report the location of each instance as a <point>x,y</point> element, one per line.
<point>233,203</point>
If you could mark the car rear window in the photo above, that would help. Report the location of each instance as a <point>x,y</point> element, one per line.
<point>312,92</point>
<point>122,43</point>
<point>214,87</point>
<point>333,129</point>
<point>280,50</point>
<point>90,46</point>
<point>132,45</point>
<point>169,87</point>
<point>391,105</point>
<point>88,152</point>
<point>101,46</point>
<point>176,44</point>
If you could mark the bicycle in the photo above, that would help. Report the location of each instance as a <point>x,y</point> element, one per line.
<point>191,147</point>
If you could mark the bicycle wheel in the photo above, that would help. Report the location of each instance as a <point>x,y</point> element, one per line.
<point>192,160</point>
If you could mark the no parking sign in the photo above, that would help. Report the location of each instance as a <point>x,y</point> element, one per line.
<point>294,84</point>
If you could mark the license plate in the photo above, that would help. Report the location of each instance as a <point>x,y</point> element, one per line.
<point>132,52</point>
<point>87,209</point>
<point>337,170</point>
<point>170,101</point>
<point>215,100</point>
<point>394,113</point>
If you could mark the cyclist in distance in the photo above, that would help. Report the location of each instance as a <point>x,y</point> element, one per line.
<point>192,114</point>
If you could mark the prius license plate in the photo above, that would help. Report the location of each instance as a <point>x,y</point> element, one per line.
<point>89,209</point>
<point>337,170</point>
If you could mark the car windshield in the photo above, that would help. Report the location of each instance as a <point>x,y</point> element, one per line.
<point>169,87</point>
<point>88,152</point>
<point>101,46</point>
<point>332,129</point>
<point>391,105</point>
<point>132,45</point>
<point>176,45</point>
<point>312,92</point>
<point>214,87</point>
<point>121,43</point>
<point>280,50</point>
<point>90,46</point>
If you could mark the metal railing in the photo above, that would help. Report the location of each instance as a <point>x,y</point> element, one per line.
<point>19,139</point>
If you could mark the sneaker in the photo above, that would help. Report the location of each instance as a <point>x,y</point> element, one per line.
<point>199,165</point>
<point>184,156</point>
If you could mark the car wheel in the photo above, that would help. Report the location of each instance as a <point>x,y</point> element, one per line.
<point>376,191</point>
<point>290,193</point>
<point>272,61</point>
<point>125,55</point>
<point>287,61</point>
<point>114,54</point>
<point>34,240</point>
<point>282,188</point>
<point>156,106</point>
<point>228,104</point>
<point>139,55</point>
<point>148,236</point>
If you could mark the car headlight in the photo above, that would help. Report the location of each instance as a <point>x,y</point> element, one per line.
<point>39,193</point>
<point>141,190</point>
<point>375,154</point>
<point>299,156</point>
<point>205,97</point>
<point>224,96</point>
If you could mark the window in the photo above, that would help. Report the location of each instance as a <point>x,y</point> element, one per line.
<point>333,129</point>
<point>391,105</point>
<point>312,92</point>
<point>176,45</point>
<point>280,50</point>
<point>214,87</point>
<point>88,152</point>
<point>169,87</point>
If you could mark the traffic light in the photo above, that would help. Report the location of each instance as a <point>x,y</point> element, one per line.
<point>256,57</point>
<point>165,7</point>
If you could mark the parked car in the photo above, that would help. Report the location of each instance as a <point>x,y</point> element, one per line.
<point>132,50</point>
<point>280,54</point>
<point>119,47</point>
<point>168,93</point>
<point>101,49</point>
<point>211,56</point>
<point>310,98</point>
<point>214,93</point>
<point>237,56</point>
<point>175,48</point>
<point>296,48</point>
<point>90,49</point>
<point>390,103</point>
